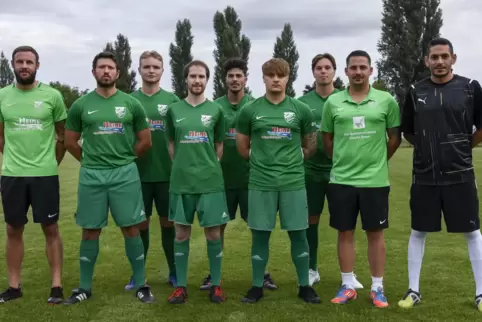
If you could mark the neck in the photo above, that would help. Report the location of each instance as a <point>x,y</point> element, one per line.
<point>150,89</point>
<point>235,98</point>
<point>359,89</point>
<point>106,91</point>
<point>275,98</point>
<point>195,100</point>
<point>441,80</point>
<point>325,90</point>
<point>26,87</point>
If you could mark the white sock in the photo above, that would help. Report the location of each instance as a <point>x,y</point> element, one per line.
<point>377,282</point>
<point>416,248</point>
<point>474,240</point>
<point>347,279</point>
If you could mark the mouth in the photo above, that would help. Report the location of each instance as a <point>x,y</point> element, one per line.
<point>24,74</point>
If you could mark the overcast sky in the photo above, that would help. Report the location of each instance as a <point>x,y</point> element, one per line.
<point>68,33</point>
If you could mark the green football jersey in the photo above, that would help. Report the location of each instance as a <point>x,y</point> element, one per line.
<point>29,119</point>
<point>318,166</point>
<point>108,127</point>
<point>360,139</point>
<point>276,132</point>
<point>235,168</point>
<point>155,165</point>
<point>194,131</point>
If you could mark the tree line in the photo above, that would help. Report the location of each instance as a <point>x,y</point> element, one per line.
<point>407,28</point>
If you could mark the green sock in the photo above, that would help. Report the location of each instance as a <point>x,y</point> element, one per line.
<point>215,256</point>
<point>135,254</point>
<point>89,250</point>
<point>168,235</point>
<point>300,256</point>
<point>312,237</point>
<point>145,241</point>
<point>259,255</point>
<point>181,255</point>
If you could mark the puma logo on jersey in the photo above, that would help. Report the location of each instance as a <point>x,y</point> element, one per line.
<point>422,100</point>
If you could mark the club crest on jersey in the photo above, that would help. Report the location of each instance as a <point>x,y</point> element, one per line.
<point>289,116</point>
<point>120,111</point>
<point>37,104</point>
<point>206,119</point>
<point>162,109</point>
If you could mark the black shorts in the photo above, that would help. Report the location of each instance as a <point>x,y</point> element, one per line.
<point>345,202</point>
<point>235,198</point>
<point>315,193</point>
<point>19,193</point>
<point>459,204</point>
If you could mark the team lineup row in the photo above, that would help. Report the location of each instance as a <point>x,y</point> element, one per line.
<point>274,154</point>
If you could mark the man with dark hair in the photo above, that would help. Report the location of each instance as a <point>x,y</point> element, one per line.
<point>438,119</point>
<point>32,118</point>
<point>355,125</point>
<point>155,166</point>
<point>114,132</point>
<point>276,133</point>
<point>195,128</point>
<point>318,167</point>
<point>235,168</point>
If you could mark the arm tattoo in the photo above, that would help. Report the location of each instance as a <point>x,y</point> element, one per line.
<point>310,141</point>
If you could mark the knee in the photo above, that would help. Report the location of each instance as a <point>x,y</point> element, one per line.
<point>212,233</point>
<point>145,224</point>
<point>314,220</point>
<point>91,234</point>
<point>165,223</point>
<point>375,236</point>
<point>183,233</point>
<point>346,236</point>
<point>473,235</point>
<point>14,232</point>
<point>51,231</point>
<point>418,234</point>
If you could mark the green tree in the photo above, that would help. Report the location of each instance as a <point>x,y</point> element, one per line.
<point>122,50</point>
<point>229,43</point>
<point>285,48</point>
<point>70,93</point>
<point>309,88</point>
<point>6,73</point>
<point>380,85</point>
<point>339,84</point>
<point>180,53</point>
<point>407,28</point>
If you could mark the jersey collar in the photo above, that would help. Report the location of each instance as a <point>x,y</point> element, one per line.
<point>370,97</point>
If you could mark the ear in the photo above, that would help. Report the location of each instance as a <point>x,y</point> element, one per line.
<point>425,59</point>
<point>371,71</point>
<point>346,71</point>
<point>38,65</point>
<point>117,75</point>
<point>454,58</point>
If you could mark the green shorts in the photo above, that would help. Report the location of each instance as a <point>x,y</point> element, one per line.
<point>211,209</point>
<point>156,193</point>
<point>118,189</point>
<point>263,207</point>
<point>235,198</point>
<point>316,193</point>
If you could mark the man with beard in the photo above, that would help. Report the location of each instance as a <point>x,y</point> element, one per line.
<point>196,131</point>
<point>355,125</point>
<point>114,132</point>
<point>438,119</point>
<point>318,167</point>
<point>155,166</point>
<point>235,168</point>
<point>32,117</point>
<point>276,133</point>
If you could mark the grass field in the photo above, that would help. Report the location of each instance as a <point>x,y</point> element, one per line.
<point>447,281</point>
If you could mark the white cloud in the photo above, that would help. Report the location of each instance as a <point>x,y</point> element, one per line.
<point>68,34</point>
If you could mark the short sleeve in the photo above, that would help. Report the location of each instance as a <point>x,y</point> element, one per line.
<point>170,132</point>
<point>139,116</point>
<point>393,113</point>
<point>1,99</point>
<point>327,124</point>
<point>175,98</point>
<point>408,115</point>
<point>243,121</point>
<point>307,120</point>
<point>220,127</point>
<point>59,109</point>
<point>477,105</point>
<point>74,117</point>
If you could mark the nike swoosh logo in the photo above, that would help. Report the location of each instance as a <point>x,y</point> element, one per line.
<point>259,117</point>
<point>382,221</point>
<point>177,121</point>
<point>90,112</point>
<point>52,216</point>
